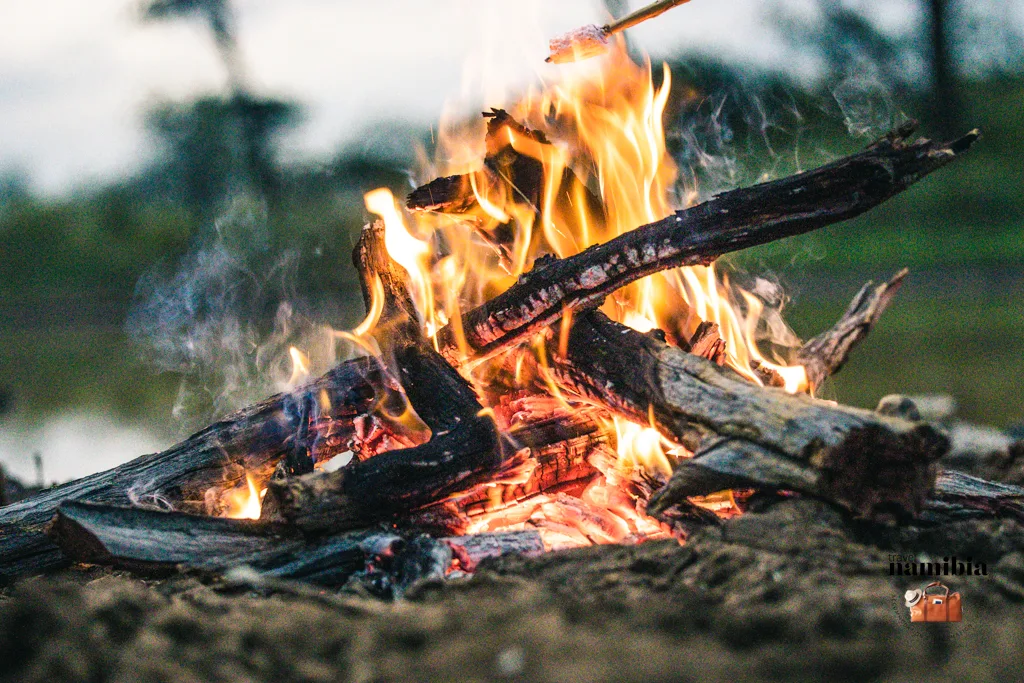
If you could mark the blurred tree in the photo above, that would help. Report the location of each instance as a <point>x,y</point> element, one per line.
<point>217,146</point>
<point>220,145</point>
<point>945,94</point>
<point>219,18</point>
<point>953,39</point>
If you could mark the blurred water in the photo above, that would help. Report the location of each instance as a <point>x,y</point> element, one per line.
<point>73,445</point>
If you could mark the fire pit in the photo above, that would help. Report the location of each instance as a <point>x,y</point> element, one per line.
<point>551,361</point>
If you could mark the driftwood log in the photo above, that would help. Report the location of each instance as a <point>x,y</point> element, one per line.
<point>730,222</point>
<point>744,435</point>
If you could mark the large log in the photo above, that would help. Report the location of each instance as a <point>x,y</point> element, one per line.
<point>744,435</point>
<point>152,541</point>
<point>251,440</point>
<point>730,222</point>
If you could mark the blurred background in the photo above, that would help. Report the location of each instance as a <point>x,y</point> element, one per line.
<point>181,184</point>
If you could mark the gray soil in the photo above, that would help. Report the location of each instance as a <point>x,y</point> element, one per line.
<point>792,591</point>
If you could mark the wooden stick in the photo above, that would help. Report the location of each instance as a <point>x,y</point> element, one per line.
<point>825,355</point>
<point>642,14</point>
<point>591,40</point>
<point>730,222</point>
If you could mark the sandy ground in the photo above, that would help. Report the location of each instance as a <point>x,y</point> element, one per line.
<point>793,593</point>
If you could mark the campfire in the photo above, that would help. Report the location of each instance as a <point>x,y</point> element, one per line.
<point>550,358</point>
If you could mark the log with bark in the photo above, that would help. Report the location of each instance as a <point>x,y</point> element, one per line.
<point>744,435</point>
<point>825,354</point>
<point>730,222</point>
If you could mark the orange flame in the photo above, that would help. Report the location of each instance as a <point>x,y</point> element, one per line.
<point>244,503</point>
<point>603,128</point>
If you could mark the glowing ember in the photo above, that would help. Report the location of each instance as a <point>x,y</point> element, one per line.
<point>244,503</point>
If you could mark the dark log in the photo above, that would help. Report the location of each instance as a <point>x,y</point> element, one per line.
<point>139,538</point>
<point>152,541</point>
<point>251,440</point>
<point>730,222</point>
<point>962,496</point>
<point>825,355</point>
<point>465,447</point>
<point>505,171</point>
<point>507,177</point>
<point>514,175</point>
<point>744,435</point>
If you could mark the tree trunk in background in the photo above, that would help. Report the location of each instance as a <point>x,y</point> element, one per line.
<point>945,94</point>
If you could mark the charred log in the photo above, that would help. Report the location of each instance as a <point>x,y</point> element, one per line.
<point>730,222</point>
<point>508,176</point>
<point>465,447</point>
<point>251,440</point>
<point>747,436</point>
<point>151,541</point>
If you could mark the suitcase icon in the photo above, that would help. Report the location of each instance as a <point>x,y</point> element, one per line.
<point>934,604</point>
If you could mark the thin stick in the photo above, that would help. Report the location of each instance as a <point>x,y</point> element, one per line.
<point>642,14</point>
<point>592,40</point>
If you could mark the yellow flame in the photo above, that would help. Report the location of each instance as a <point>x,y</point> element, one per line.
<point>605,126</point>
<point>243,503</point>
<point>300,367</point>
<point>408,251</point>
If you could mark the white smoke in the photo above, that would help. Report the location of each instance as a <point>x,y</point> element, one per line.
<point>225,318</point>
<point>866,103</point>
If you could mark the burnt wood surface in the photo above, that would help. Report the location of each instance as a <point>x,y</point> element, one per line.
<point>253,439</point>
<point>744,435</point>
<point>465,446</point>
<point>824,355</point>
<point>153,541</point>
<point>729,222</point>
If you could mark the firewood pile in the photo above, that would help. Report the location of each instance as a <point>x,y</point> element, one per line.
<point>492,416</point>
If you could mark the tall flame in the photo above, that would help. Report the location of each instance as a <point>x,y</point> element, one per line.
<point>604,128</point>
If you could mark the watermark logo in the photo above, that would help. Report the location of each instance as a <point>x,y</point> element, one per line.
<point>934,603</point>
<point>908,565</point>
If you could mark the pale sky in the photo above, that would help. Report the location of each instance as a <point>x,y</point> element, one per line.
<point>76,76</point>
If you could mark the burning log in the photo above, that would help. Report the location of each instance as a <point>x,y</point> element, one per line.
<point>504,169</point>
<point>464,448</point>
<point>253,439</point>
<point>154,541</point>
<point>824,355</point>
<point>730,222</point>
<point>746,436</point>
